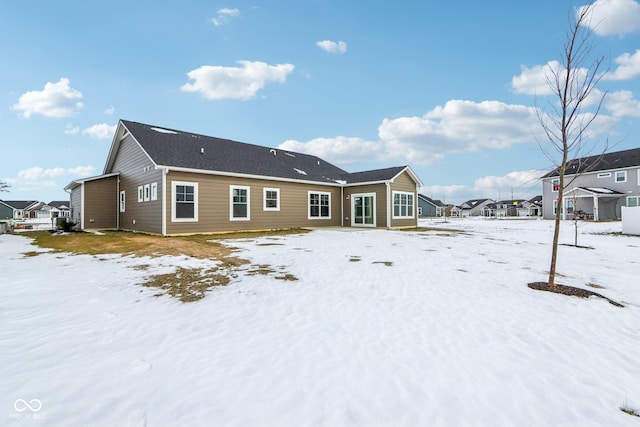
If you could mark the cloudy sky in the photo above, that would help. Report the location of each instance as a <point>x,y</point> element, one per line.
<point>449,88</point>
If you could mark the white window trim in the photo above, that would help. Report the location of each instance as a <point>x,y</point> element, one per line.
<point>147,192</point>
<point>154,191</point>
<point>555,207</point>
<point>633,197</point>
<point>174,184</point>
<point>552,185</point>
<point>320,217</point>
<point>239,187</point>
<point>393,210</point>
<point>264,199</point>
<point>123,201</point>
<point>625,176</point>
<point>140,194</point>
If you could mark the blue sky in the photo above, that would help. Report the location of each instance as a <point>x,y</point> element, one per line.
<point>449,88</point>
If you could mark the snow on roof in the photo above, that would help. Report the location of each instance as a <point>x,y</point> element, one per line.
<point>600,190</point>
<point>301,172</point>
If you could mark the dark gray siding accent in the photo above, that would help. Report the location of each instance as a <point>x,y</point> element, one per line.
<point>136,169</point>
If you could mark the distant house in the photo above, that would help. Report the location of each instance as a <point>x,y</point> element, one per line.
<point>59,209</point>
<point>474,207</point>
<point>171,182</point>
<point>596,187</point>
<point>17,209</point>
<point>531,207</point>
<point>428,208</point>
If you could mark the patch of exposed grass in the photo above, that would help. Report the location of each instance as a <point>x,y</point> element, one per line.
<point>629,410</point>
<point>261,269</point>
<point>593,285</point>
<point>287,277</point>
<point>387,263</point>
<point>187,284</point>
<point>32,253</point>
<point>439,230</point>
<point>355,259</point>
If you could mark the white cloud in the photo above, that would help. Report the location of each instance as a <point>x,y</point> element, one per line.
<point>224,15</point>
<point>622,104</point>
<point>613,17</point>
<point>628,67</point>
<point>109,111</point>
<point>71,129</point>
<point>518,183</point>
<point>340,150</point>
<point>55,100</point>
<point>101,131</point>
<point>459,126</point>
<point>37,173</point>
<point>332,47</point>
<point>217,82</point>
<point>533,81</point>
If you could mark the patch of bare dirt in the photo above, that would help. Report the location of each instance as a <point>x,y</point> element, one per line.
<point>570,291</point>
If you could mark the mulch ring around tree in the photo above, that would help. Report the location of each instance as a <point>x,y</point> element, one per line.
<point>570,290</point>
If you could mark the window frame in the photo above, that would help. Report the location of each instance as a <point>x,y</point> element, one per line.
<point>624,174</point>
<point>264,199</point>
<point>154,191</point>
<point>174,185</point>
<point>555,185</point>
<point>147,192</point>
<point>232,203</point>
<point>309,206</point>
<point>123,201</point>
<point>637,198</point>
<point>407,215</point>
<point>140,193</point>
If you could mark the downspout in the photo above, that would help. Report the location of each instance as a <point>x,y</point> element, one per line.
<point>596,205</point>
<point>118,204</point>
<point>163,201</point>
<point>342,206</point>
<point>82,212</point>
<point>389,207</point>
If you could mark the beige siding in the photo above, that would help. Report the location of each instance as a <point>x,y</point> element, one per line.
<point>101,203</point>
<point>136,169</point>
<point>404,182</point>
<point>214,205</point>
<point>380,191</point>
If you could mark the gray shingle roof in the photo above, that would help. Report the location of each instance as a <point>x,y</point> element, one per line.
<point>173,148</point>
<point>179,149</point>
<point>607,161</point>
<point>19,204</point>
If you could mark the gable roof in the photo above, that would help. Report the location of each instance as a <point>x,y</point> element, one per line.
<point>20,204</point>
<point>601,162</point>
<point>186,150</point>
<point>181,150</point>
<point>59,204</point>
<point>470,204</point>
<point>437,203</point>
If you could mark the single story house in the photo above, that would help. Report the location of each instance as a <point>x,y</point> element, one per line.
<point>429,208</point>
<point>17,209</point>
<point>596,187</point>
<point>170,182</point>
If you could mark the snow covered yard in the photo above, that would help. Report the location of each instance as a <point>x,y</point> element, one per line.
<point>382,328</point>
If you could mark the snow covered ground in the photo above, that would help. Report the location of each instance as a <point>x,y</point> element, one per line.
<point>383,328</point>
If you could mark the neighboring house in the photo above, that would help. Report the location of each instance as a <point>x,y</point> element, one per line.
<point>428,208</point>
<point>171,182</point>
<point>17,209</point>
<point>531,207</point>
<point>503,208</point>
<point>474,207</point>
<point>596,187</point>
<point>59,209</point>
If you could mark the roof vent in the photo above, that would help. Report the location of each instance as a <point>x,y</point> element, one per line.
<point>201,150</point>
<point>272,151</point>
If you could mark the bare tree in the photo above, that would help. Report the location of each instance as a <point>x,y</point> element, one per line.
<point>565,124</point>
<point>4,187</point>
